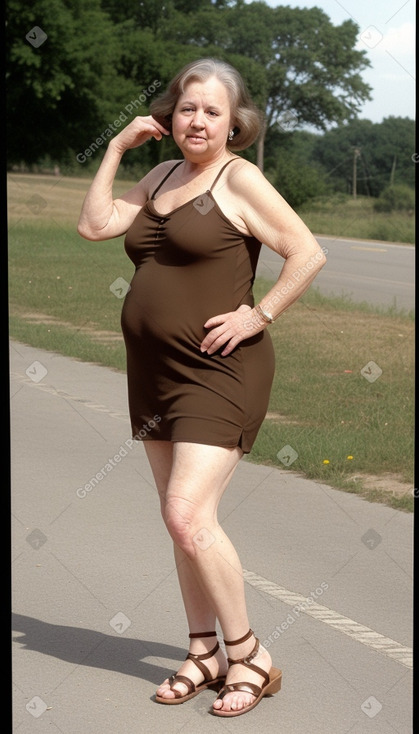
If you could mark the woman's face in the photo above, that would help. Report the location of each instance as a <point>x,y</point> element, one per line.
<point>202,119</point>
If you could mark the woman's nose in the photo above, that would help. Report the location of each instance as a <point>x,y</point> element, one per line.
<point>198,119</point>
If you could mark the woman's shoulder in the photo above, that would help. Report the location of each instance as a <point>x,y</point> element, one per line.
<point>244,173</point>
<point>253,193</point>
<point>156,174</point>
<point>245,177</point>
<point>166,165</point>
<point>162,168</point>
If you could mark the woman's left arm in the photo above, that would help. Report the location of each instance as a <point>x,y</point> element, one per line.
<point>268,217</point>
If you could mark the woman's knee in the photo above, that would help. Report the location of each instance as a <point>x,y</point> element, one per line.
<point>185,522</point>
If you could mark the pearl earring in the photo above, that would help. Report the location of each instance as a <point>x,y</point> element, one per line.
<point>231,135</point>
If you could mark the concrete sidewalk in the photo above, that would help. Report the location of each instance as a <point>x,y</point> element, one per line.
<point>98,619</point>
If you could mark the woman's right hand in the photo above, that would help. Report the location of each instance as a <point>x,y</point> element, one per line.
<point>138,132</point>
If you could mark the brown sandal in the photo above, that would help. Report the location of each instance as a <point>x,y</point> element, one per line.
<point>272,681</point>
<point>193,690</point>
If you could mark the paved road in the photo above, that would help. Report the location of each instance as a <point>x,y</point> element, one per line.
<point>97,612</point>
<point>379,273</point>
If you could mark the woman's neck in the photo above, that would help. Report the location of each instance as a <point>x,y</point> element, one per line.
<point>195,168</point>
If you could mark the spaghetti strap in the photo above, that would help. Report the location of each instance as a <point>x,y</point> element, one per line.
<point>165,178</point>
<point>236,158</point>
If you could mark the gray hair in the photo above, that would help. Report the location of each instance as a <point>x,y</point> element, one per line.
<point>247,118</point>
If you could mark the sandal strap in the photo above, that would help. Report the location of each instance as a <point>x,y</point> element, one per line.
<point>242,686</point>
<point>247,661</point>
<point>245,637</point>
<point>248,658</point>
<point>181,679</point>
<point>193,635</point>
<point>255,669</point>
<point>190,685</point>
<point>203,656</point>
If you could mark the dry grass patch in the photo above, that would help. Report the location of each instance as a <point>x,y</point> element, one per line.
<point>33,197</point>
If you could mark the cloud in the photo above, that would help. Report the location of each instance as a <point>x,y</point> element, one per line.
<point>400,41</point>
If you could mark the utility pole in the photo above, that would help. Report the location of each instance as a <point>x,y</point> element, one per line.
<point>393,170</point>
<point>357,153</point>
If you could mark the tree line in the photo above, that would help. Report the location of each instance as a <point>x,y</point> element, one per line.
<point>79,70</point>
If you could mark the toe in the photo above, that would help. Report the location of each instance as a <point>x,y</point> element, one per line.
<point>234,702</point>
<point>165,692</point>
<point>238,702</point>
<point>163,688</point>
<point>168,691</point>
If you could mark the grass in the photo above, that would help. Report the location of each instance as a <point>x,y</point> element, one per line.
<point>322,406</point>
<point>343,216</point>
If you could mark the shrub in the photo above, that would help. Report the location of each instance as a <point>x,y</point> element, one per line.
<point>396,198</point>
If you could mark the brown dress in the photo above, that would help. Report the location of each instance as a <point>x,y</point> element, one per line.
<point>192,264</point>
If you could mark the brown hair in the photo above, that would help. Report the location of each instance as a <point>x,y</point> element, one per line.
<point>246,116</point>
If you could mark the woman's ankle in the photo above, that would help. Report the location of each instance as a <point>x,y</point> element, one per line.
<point>248,649</point>
<point>201,643</point>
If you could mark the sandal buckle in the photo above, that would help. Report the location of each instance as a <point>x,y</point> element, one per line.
<point>251,656</point>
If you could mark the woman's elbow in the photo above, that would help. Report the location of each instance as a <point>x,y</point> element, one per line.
<point>87,233</point>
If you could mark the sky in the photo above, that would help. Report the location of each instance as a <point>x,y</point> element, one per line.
<point>387,34</point>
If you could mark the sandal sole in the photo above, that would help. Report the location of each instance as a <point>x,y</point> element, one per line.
<point>215,684</point>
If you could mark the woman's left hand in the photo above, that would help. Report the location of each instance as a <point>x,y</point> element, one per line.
<point>230,329</point>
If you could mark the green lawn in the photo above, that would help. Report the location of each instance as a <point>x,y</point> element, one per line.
<point>343,216</point>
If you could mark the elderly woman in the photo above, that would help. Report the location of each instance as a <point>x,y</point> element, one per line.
<point>200,361</point>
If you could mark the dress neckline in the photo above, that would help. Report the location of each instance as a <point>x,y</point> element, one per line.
<point>207,192</point>
<point>165,217</point>
<point>181,206</point>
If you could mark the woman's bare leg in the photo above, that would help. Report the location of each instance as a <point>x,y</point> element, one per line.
<point>200,615</point>
<point>199,612</point>
<point>191,480</point>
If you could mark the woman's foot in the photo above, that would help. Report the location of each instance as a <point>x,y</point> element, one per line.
<point>238,701</point>
<point>215,664</point>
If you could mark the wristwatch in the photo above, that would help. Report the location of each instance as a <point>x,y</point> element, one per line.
<point>265,315</point>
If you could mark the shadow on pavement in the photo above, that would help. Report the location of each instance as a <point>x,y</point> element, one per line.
<point>95,649</point>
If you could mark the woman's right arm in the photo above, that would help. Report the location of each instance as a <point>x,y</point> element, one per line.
<point>102,217</point>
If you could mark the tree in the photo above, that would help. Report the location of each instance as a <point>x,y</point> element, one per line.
<point>100,54</point>
<point>299,67</point>
<point>291,168</point>
<point>394,145</point>
<point>63,93</point>
<point>385,151</point>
